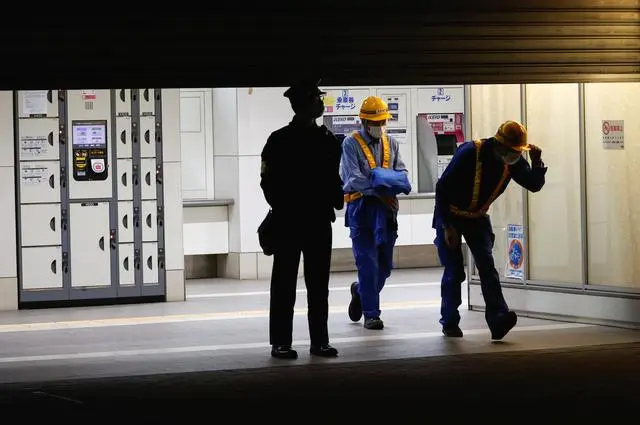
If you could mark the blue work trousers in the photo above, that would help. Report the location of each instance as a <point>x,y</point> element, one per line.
<point>374,263</point>
<point>480,239</point>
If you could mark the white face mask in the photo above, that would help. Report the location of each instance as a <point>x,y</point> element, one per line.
<point>376,132</point>
<point>511,159</point>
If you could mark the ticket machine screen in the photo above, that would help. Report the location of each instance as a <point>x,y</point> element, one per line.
<point>89,144</point>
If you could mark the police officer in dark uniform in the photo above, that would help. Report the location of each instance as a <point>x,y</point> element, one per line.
<point>301,182</point>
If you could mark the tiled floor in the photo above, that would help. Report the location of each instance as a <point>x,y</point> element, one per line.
<point>223,325</point>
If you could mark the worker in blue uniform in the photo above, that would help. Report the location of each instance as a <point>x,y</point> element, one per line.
<point>373,174</point>
<point>478,173</point>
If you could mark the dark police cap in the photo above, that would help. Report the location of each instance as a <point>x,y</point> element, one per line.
<point>304,89</point>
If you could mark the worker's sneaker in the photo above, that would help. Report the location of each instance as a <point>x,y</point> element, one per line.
<point>323,351</point>
<point>283,352</point>
<point>501,325</point>
<point>374,323</point>
<point>355,307</point>
<point>452,331</point>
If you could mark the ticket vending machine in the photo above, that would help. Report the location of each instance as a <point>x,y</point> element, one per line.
<point>438,135</point>
<point>342,125</point>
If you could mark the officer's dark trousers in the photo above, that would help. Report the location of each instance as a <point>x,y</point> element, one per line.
<point>314,242</point>
<point>480,239</point>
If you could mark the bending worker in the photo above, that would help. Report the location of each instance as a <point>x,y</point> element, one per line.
<point>479,172</point>
<point>373,173</point>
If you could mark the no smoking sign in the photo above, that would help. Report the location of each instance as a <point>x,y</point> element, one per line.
<point>613,134</point>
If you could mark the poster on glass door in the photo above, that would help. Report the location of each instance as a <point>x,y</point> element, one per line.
<point>515,252</point>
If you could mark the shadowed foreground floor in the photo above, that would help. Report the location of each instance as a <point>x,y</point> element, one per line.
<point>579,381</point>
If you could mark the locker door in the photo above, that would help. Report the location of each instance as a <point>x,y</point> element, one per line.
<point>125,185</point>
<point>147,102</point>
<point>39,139</point>
<point>40,224</point>
<point>148,137</point>
<point>41,268</point>
<point>125,222</point>
<point>39,182</point>
<point>90,244</point>
<point>149,221</point>
<point>123,102</point>
<point>38,103</point>
<point>150,262</point>
<point>127,270</point>
<point>148,177</point>
<point>123,137</point>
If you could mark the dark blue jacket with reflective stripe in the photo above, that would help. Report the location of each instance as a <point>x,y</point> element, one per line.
<point>455,186</point>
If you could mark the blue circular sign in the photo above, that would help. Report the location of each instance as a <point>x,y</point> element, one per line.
<point>516,254</point>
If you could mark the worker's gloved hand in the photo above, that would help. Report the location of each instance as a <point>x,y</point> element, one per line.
<point>536,155</point>
<point>451,237</point>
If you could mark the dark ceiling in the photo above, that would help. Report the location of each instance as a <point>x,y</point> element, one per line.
<point>449,42</point>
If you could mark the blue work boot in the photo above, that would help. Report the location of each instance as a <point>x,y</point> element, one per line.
<point>355,307</point>
<point>373,323</point>
<point>502,324</point>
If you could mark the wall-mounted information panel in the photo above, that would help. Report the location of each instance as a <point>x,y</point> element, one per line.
<point>90,194</point>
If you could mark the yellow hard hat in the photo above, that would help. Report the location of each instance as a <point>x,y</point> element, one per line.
<point>374,109</point>
<point>514,135</point>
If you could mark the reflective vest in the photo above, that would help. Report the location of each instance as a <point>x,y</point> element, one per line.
<point>472,211</point>
<point>386,155</point>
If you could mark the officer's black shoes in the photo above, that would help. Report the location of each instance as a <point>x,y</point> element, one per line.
<point>283,352</point>
<point>452,331</point>
<point>373,323</point>
<point>501,325</point>
<point>323,351</point>
<point>355,308</point>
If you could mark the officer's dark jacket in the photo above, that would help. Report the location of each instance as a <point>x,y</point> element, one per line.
<point>300,173</point>
<point>455,186</point>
